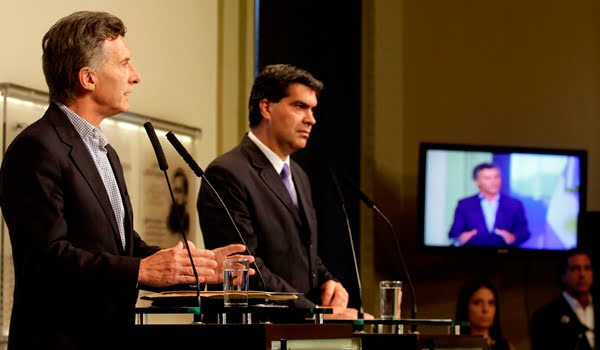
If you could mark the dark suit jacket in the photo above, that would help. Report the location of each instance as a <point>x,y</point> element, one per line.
<point>75,286</point>
<point>555,326</point>
<point>510,216</point>
<point>282,237</point>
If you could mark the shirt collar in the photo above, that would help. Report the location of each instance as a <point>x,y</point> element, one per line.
<point>82,126</point>
<point>574,303</point>
<point>496,199</point>
<point>271,156</point>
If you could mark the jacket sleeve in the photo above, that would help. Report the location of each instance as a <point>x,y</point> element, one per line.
<point>46,204</point>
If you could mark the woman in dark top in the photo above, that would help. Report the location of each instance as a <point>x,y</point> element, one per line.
<point>478,304</point>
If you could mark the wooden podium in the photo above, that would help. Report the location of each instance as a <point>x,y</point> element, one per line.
<point>289,328</point>
<point>244,336</point>
<point>370,341</point>
<point>290,336</point>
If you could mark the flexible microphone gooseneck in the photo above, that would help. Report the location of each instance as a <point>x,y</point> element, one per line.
<point>162,164</point>
<point>340,196</point>
<point>198,171</point>
<point>372,205</point>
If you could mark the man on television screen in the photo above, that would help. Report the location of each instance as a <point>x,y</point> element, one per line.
<point>489,218</point>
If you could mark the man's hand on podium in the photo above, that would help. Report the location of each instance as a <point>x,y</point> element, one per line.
<point>229,251</point>
<point>345,313</point>
<point>333,294</point>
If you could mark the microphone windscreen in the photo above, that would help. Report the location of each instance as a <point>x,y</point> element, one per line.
<point>369,203</point>
<point>184,154</point>
<point>160,155</point>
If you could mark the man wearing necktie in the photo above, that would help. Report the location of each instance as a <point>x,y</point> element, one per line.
<point>268,194</point>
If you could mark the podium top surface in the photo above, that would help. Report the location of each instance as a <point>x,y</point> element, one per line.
<point>255,309</point>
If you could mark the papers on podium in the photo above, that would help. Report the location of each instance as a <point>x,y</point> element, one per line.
<point>174,297</point>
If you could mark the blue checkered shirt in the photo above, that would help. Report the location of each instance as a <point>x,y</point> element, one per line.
<point>96,143</point>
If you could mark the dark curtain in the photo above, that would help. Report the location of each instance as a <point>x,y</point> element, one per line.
<point>324,37</point>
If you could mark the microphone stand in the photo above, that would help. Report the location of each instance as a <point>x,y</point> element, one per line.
<point>185,241</point>
<point>410,284</point>
<point>198,171</point>
<point>162,163</point>
<point>361,311</point>
<point>372,205</point>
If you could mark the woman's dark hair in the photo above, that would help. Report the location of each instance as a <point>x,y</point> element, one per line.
<point>462,305</point>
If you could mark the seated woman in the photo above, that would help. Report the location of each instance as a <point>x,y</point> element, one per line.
<point>478,305</point>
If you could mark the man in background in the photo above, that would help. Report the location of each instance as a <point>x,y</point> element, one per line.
<point>489,218</point>
<point>78,261</point>
<point>269,195</point>
<point>568,321</point>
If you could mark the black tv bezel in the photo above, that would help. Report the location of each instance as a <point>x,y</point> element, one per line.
<point>451,250</point>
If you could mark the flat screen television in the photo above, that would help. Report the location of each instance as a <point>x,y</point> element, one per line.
<point>500,198</point>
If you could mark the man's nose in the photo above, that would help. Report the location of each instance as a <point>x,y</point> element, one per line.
<point>310,118</point>
<point>135,77</point>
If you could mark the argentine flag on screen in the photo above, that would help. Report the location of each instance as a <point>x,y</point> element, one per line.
<point>563,207</point>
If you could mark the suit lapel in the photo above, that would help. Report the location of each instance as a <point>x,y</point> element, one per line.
<point>269,176</point>
<point>303,190</point>
<point>115,164</point>
<point>570,320</point>
<point>85,164</point>
<point>500,214</point>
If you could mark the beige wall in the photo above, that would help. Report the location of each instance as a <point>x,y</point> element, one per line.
<point>195,58</point>
<point>173,44</point>
<point>513,72</point>
<point>236,71</point>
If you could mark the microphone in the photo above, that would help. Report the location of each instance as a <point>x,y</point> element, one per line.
<point>340,196</point>
<point>372,205</point>
<point>162,164</point>
<point>160,155</point>
<point>198,171</point>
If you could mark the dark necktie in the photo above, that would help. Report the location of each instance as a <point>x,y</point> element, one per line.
<point>287,181</point>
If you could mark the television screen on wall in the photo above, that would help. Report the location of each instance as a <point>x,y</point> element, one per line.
<point>500,198</point>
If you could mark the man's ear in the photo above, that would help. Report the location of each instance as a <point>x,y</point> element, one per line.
<point>87,78</point>
<point>264,107</point>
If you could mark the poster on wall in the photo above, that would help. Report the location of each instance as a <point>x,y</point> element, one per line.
<point>159,218</point>
<point>165,217</point>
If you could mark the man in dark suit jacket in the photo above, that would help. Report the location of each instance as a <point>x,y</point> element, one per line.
<point>279,225</point>
<point>489,218</point>
<point>568,321</point>
<point>77,259</point>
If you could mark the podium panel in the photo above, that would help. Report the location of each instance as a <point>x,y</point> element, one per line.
<point>371,341</point>
<point>274,328</point>
<point>244,336</point>
<point>450,342</point>
<point>291,336</point>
